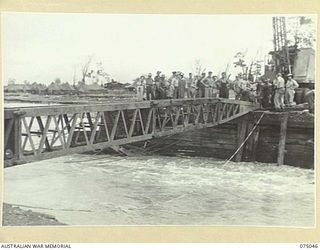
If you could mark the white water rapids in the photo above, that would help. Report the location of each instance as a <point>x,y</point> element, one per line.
<point>159,190</point>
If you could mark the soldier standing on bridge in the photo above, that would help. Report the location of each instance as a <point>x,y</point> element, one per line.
<point>170,90</point>
<point>140,88</point>
<point>224,85</point>
<point>279,92</point>
<point>182,86</point>
<point>215,87</point>
<point>150,87</point>
<point>175,83</point>
<point>237,88</point>
<point>191,86</point>
<point>208,81</point>
<point>163,84</point>
<point>291,85</point>
<point>157,77</point>
<point>201,85</point>
<point>245,87</point>
<point>265,94</point>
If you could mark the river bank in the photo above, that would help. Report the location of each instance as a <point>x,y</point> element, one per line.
<point>66,99</point>
<point>15,216</point>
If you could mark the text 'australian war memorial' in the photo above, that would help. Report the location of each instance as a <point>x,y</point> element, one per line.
<point>168,146</point>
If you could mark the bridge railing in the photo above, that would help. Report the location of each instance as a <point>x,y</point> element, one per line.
<point>36,133</point>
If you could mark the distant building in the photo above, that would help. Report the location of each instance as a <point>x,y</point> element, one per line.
<point>67,89</point>
<point>38,88</point>
<point>54,89</point>
<point>88,89</point>
<point>18,88</point>
<point>114,85</point>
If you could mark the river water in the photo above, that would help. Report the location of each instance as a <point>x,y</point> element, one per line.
<point>101,189</point>
<point>159,190</point>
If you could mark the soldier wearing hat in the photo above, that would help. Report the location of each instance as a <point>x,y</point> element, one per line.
<point>174,81</point>
<point>224,85</point>
<point>150,88</point>
<point>279,87</point>
<point>201,85</point>
<point>157,77</point>
<point>191,86</point>
<point>291,85</point>
<point>141,82</point>
<point>182,85</point>
<point>208,85</point>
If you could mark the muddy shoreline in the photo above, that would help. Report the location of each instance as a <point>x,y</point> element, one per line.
<point>15,216</point>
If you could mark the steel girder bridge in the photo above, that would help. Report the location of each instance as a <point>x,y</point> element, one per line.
<point>43,132</point>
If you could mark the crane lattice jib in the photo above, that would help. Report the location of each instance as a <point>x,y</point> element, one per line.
<point>280,43</point>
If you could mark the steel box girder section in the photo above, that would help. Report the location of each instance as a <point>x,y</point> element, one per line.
<point>70,109</point>
<point>101,145</point>
<point>159,114</point>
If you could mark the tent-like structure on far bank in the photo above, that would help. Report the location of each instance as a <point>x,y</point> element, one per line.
<point>38,88</point>
<point>66,88</point>
<point>54,89</point>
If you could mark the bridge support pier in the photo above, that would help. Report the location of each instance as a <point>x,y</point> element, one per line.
<point>242,129</point>
<point>282,139</point>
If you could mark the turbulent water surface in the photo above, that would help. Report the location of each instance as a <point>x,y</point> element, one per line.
<point>158,190</point>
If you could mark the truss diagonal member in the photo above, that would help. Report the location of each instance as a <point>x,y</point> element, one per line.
<point>198,113</point>
<point>63,128</point>
<point>176,120</point>
<point>115,126</point>
<point>148,121</point>
<point>84,128</point>
<point>124,121</point>
<point>141,121</point>
<point>230,109</point>
<point>72,128</point>
<point>94,127</point>
<point>105,126</point>
<point>133,122</point>
<point>217,112</point>
<point>58,132</point>
<point>165,119</point>
<point>186,118</point>
<point>44,131</point>
<point>224,106</point>
<point>205,113</point>
<point>28,136</point>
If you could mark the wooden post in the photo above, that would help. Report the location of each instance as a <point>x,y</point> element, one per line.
<point>242,129</point>
<point>250,152</point>
<point>248,147</point>
<point>282,138</point>
<point>17,138</point>
<point>255,139</point>
<point>154,120</point>
<point>9,123</point>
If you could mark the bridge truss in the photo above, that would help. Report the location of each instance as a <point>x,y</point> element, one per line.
<point>37,133</point>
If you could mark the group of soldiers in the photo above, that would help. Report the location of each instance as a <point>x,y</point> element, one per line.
<point>178,86</point>
<point>269,94</point>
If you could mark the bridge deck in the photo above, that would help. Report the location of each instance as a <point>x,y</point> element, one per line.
<point>37,133</point>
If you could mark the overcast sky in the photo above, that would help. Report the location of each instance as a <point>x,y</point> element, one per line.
<point>40,47</point>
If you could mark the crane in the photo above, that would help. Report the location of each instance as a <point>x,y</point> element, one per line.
<point>280,42</point>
